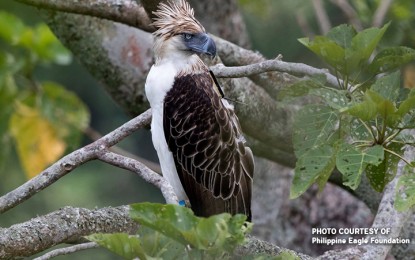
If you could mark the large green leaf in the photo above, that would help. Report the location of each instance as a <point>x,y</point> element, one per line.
<point>215,235</point>
<point>351,162</point>
<point>313,165</point>
<point>391,58</point>
<point>358,131</point>
<point>374,105</point>
<point>334,98</point>
<point>298,89</point>
<point>314,126</point>
<point>382,174</point>
<point>342,35</point>
<point>388,86</point>
<point>326,49</point>
<point>405,190</point>
<point>362,46</point>
<point>125,245</point>
<point>157,245</point>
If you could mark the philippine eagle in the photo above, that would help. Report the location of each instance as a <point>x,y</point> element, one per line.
<point>195,131</point>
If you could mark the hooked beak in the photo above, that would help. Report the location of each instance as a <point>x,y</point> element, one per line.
<point>202,43</point>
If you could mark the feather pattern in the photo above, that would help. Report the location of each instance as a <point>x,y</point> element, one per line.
<point>212,161</point>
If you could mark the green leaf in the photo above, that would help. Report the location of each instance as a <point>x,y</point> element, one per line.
<point>157,245</point>
<point>169,220</point>
<point>298,89</point>
<point>333,97</point>
<point>373,105</point>
<point>127,246</point>
<point>362,46</point>
<point>388,86</point>
<point>406,111</point>
<point>351,162</point>
<point>314,126</point>
<point>382,174</point>
<point>11,28</point>
<point>326,49</point>
<point>358,131</point>
<point>342,35</point>
<point>391,58</point>
<point>316,162</point>
<point>216,234</point>
<point>405,190</point>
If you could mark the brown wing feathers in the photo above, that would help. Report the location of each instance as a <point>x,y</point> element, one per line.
<point>213,164</point>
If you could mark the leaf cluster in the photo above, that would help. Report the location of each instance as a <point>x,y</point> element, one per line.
<point>358,128</point>
<point>42,118</point>
<point>174,232</point>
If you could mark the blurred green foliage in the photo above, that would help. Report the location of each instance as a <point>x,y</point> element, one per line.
<point>43,116</point>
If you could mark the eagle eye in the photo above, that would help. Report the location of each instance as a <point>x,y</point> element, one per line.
<point>187,36</point>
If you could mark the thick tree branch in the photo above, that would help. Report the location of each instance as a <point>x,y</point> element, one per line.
<point>70,224</point>
<point>127,11</point>
<point>63,226</point>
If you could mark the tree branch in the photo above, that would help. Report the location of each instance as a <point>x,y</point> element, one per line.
<point>127,11</point>
<point>271,65</point>
<point>63,226</point>
<point>144,172</point>
<point>71,161</point>
<point>70,224</point>
<point>67,250</point>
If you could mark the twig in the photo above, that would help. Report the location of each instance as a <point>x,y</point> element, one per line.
<point>95,135</point>
<point>322,17</point>
<point>222,71</point>
<point>144,172</point>
<point>70,162</point>
<point>381,12</point>
<point>67,250</point>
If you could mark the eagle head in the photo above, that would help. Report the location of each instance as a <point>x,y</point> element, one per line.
<point>179,33</point>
